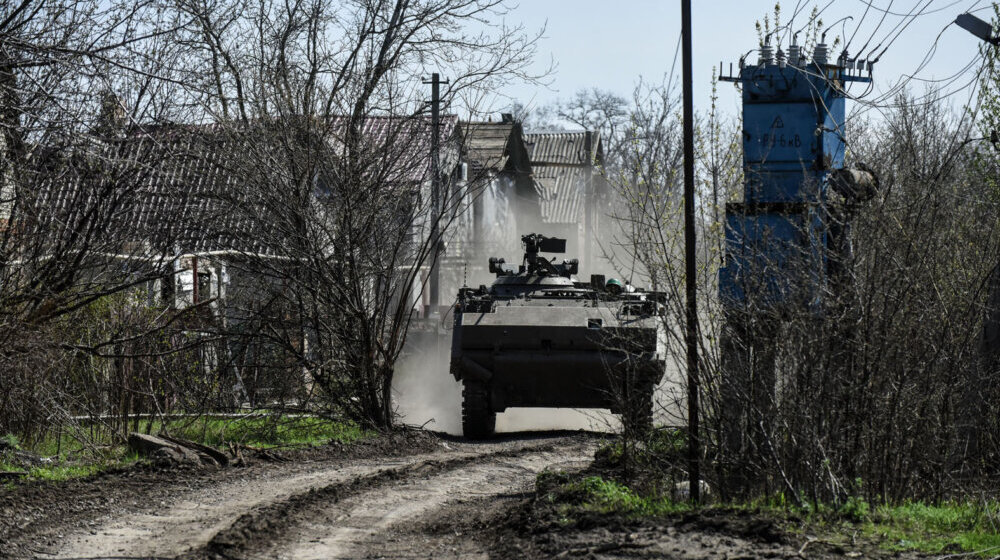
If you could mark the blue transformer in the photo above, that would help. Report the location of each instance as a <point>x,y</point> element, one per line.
<point>776,238</point>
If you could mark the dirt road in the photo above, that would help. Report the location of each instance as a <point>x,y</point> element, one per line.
<point>358,508</point>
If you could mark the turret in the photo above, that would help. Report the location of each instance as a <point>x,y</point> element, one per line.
<point>533,263</point>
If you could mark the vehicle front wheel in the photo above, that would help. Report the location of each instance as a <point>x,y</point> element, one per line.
<point>478,419</point>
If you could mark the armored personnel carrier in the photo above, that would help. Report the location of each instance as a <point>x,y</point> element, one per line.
<point>538,338</point>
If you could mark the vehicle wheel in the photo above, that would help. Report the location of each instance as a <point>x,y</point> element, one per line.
<point>638,415</point>
<point>478,420</point>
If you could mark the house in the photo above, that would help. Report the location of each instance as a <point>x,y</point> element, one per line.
<point>191,206</point>
<point>402,148</point>
<point>194,216</point>
<point>566,166</point>
<point>503,202</point>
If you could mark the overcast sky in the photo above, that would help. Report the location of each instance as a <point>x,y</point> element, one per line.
<point>609,44</point>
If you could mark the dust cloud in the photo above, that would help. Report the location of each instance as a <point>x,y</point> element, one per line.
<point>426,395</point>
<point>424,392</point>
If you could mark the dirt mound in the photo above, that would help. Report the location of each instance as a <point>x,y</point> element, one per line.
<point>745,524</point>
<point>541,526</point>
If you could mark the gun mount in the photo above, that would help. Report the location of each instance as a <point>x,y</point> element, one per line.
<point>533,263</point>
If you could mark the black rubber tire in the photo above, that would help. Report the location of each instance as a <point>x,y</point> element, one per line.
<point>478,420</point>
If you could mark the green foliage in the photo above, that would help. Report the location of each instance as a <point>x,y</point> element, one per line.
<point>57,471</point>
<point>12,441</point>
<point>912,526</point>
<point>667,442</point>
<point>660,445</point>
<point>76,459</point>
<point>547,481</point>
<point>608,495</point>
<point>269,431</point>
<point>596,494</point>
<point>948,526</point>
<point>972,527</point>
<point>775,502</point>
<point>65,472</point>
<point>856,509</point>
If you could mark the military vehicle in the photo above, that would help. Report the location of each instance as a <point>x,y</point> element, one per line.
<point>538,338</point>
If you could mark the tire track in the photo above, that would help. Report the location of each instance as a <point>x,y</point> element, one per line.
<point>195,517</point>
<point>224,520</point>
<point>268,528</point>
<point>359,527</point>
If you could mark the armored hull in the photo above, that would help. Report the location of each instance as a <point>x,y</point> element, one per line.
<point>537,338</point>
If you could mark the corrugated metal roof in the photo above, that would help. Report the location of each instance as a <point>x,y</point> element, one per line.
<point>564,194</point>
<point>185,187</point>
<point>558,161</point>
<point>562,148</point>
<point>173,188</point>
<point>402,144</point>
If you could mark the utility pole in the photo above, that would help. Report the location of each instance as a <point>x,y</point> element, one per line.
<point>694,441</point>
<point>435,287</point>
<point>590,202</point>
<point>989,342</point>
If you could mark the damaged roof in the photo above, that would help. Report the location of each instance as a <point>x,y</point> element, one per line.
<point>496,146</point>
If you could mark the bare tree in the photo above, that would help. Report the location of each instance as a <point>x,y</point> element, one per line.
<point>874,394</point>
<point>66,182</point>
<point>324,100</point>
<point>867,395</point>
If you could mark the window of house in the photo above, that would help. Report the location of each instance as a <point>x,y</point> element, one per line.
<point>167,290</point>
<point>204,286</point>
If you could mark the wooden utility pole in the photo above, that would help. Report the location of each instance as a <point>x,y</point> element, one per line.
<point>590,202</point>
<point>694,442</point>
<point>435,285</point>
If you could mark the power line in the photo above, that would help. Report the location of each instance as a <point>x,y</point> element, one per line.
<point>914,18</point>
<point>886,10</point>
<point>877,27</point>
<point>863,16</point>
<point>815,17</point>
<point>673,64</point>
<point>907,78</point>
<point>943,89</point>
<point>905,22</point>
<point>895,89</point>
<point>795,13</point>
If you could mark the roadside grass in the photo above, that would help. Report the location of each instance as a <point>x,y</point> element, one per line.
<point>52,468</point>
<point>89,451</point>
<point>268,431</point>
<point>595,494</point>
<point>971,528</point>
<point>945,527</point>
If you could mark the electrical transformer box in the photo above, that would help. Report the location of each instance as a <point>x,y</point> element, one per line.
<point>793,137</point>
